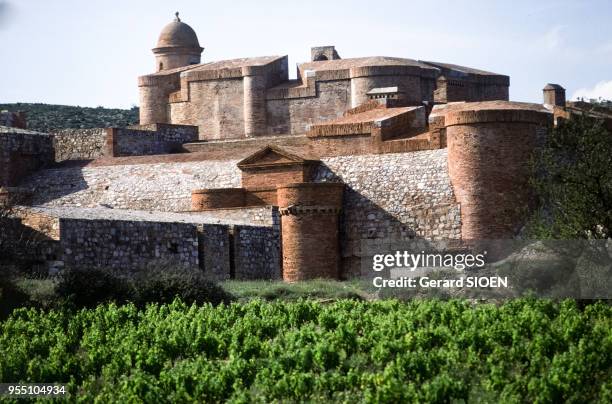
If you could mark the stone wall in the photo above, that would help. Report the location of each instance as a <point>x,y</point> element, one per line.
<point>149,139</point>
<point>214,250</point>
<point>126,245</point>
<point>392,197</point>
<point>245,245</point>
<point>79,144</point>
<point>164,187</point>
<point>257,251</point>
<point>388,196</point>
<point>22,152</point>
<point>324,146</point>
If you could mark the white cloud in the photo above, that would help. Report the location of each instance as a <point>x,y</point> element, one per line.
<point>602,89</point>
<point>554,38</point>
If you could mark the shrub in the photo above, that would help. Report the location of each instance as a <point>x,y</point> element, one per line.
<point>163,284</point>
<point>88,288</point>
<point>11,296</point>
<point>158,284</point>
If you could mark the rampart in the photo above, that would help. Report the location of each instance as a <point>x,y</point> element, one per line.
<point>148,139</point>
<point>22,152</point>
<point>131,240</point>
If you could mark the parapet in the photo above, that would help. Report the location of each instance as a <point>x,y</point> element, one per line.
<point>149,139</point>
<point>496,111</point>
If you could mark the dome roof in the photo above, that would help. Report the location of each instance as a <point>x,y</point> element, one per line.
<point>178,34</point>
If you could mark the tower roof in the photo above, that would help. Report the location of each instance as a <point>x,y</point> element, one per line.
<point>177,34</point>
<point>551,86</point>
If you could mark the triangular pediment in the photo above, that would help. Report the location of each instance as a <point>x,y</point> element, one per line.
<point>271,156</point>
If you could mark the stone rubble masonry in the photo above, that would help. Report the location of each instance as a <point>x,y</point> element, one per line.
<point>137,140</point>
<point>265,215</point>
<point>44,223</point>
<point>127,245</point>
<point>162,187</point>
<point>214,250</point>
<point>325,146</point>
<point>22,152</point>
<point>392,197</point>
<point>257,251</point>
<point>79,144</point>
<point>129,240</point>
<point>148,139</point>
<point>388,196</point>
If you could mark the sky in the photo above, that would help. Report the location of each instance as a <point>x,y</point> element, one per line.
<point>90,53</point>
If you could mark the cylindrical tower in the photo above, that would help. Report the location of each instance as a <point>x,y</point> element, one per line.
<point>309,227</point>
<point>490,145</point>
<point>254,83</point>
<point>177,46</point>
<point>154,91</point>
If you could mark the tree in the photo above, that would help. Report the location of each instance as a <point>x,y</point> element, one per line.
<point>573,182</point>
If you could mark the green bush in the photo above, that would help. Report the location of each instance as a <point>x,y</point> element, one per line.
<point>164,284</point>
<point>11,297</point>
<point>88,288</point>
<point>158,284</point>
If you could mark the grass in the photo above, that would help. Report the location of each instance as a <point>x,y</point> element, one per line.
<point>319,289</point>
<point>41,292</point>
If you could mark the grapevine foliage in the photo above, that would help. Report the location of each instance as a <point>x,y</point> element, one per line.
<point>347,351</point>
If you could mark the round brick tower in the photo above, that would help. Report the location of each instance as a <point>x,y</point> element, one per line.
<point>309,227</point>
<point>489,148</point>
<point>254,87</point>
<point>177,46</point>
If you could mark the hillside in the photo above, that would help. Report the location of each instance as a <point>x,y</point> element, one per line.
<point>45,117</point>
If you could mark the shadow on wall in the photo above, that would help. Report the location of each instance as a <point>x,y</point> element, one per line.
<point>364,221</point>
<point>57,183</point>
<point>28,243</point>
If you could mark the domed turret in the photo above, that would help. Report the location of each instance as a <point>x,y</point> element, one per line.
<point>177,46</point>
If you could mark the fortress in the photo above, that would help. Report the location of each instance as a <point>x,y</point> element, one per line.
<point>246,174</point>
